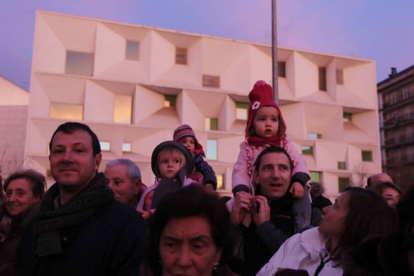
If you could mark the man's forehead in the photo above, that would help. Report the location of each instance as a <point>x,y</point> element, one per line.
<point>275,158</point>
<point>75,137</point>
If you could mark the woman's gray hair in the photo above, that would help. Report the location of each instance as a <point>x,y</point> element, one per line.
<point>133,171</point>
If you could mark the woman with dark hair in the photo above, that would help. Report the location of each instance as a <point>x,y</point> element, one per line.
<point>356,214</point>
<point>392,254</point>
<point>189,234</point>
<point>389,191</point>
<point>23,192</point>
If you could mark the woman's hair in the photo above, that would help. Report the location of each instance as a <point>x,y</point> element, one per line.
<point>190,201</point>
<point>368,214</point>
<point>380,187</point>
<point>37,181</point>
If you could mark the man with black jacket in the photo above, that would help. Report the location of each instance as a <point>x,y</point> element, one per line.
<point>80,228</point>
<point>266,219</point>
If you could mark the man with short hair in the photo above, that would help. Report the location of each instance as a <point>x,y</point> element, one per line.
<point>378,178</point>
<point>270,208</point>
<point>80,228</point>
<point>124,178</point>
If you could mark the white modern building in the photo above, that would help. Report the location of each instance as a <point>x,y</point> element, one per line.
<point>14,102</point>
<point>133,85</point>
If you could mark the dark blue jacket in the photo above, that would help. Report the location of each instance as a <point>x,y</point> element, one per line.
<point>201,166</point>
<point>110,242</point>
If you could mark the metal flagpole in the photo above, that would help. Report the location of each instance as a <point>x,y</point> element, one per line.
<point>274,53</point>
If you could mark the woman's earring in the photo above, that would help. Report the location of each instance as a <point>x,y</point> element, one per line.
<point>216,264</point>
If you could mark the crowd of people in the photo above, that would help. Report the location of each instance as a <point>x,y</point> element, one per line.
<point>276,223</point>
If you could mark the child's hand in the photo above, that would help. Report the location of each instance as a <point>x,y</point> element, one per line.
<point>297,190</point>
<point>145,214</point>
<point>242,205</point>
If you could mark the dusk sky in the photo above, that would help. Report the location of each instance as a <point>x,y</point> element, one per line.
<point>381,30</point>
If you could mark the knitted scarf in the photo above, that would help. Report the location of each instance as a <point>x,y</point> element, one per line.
<point>50,221</point>
<point>258,141</point>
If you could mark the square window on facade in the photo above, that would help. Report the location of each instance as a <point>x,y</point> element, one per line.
<point>340,76</point>
<point>123,109</point>
<point>315,176</point>
<point>105,146</point>
<point>181,56</point>
<point>281,69</point>
<point>347,117</point>
<point>220,181</point>
<point>78,63</point>
<point>341,165</point>
<point>211,124</point>
<point>170,100</point>
<point>242,111</point>
<point>314,136</point>
<point>307,150</point>
<point>126,147</point>
<point>212,148</point>
<point>367,155</point>
<point>211,81</point>
<point>322,79</point>
<point>66,111</point>
<point>343,183</point>
<point>132,50</point>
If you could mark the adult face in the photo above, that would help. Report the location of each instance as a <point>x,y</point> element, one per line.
<point>19,196</point>
<point>392,196</point>
<point>124,188</point>
<point>334,216</point>
<point>274,175</point>
<point>72,162</point>
<point>187,247</point>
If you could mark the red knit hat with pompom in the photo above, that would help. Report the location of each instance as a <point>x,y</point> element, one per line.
<point>262,95</point>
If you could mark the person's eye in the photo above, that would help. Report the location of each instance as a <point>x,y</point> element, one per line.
<point>57,151</point>
<point>171,245</point>
<point>274,119</point>
<point>79,150</point>
<point>283,168</point>
<point>8,194</point>
<point>176,161</point>
<point>21,193</point>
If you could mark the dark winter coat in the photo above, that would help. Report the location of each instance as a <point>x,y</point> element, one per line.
<point>109,241</point>
<point>201,166</point>
<point>8,248</point>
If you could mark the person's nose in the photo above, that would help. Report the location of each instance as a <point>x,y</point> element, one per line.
<point>326,209</point>
<point>275,174</point>
<point>184,259</point>
<point>11,198</point>
<point>67,156</point>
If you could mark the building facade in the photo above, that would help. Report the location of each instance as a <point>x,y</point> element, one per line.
<point>396,113</point>
<point>14,102</point>
<point>134,85</point>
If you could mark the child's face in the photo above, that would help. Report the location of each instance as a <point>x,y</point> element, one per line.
<point>266,122</point>
<point>188,142</point>
<point>169,163</point>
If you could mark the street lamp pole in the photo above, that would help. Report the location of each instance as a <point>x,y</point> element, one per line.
<point>274,53</point>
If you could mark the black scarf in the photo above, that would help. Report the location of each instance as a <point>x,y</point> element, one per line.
<point>50,221</point>
<point>167,186</point>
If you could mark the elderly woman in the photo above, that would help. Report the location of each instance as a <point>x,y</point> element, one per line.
<point>389,191</point>
<point>190,234</point>
<point>23,191</point>
<point>356,214</point>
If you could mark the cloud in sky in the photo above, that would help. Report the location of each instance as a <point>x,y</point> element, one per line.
<point>374,29</point>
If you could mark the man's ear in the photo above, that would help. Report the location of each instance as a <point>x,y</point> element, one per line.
<point>98,159</point>
<point>137,185</point>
